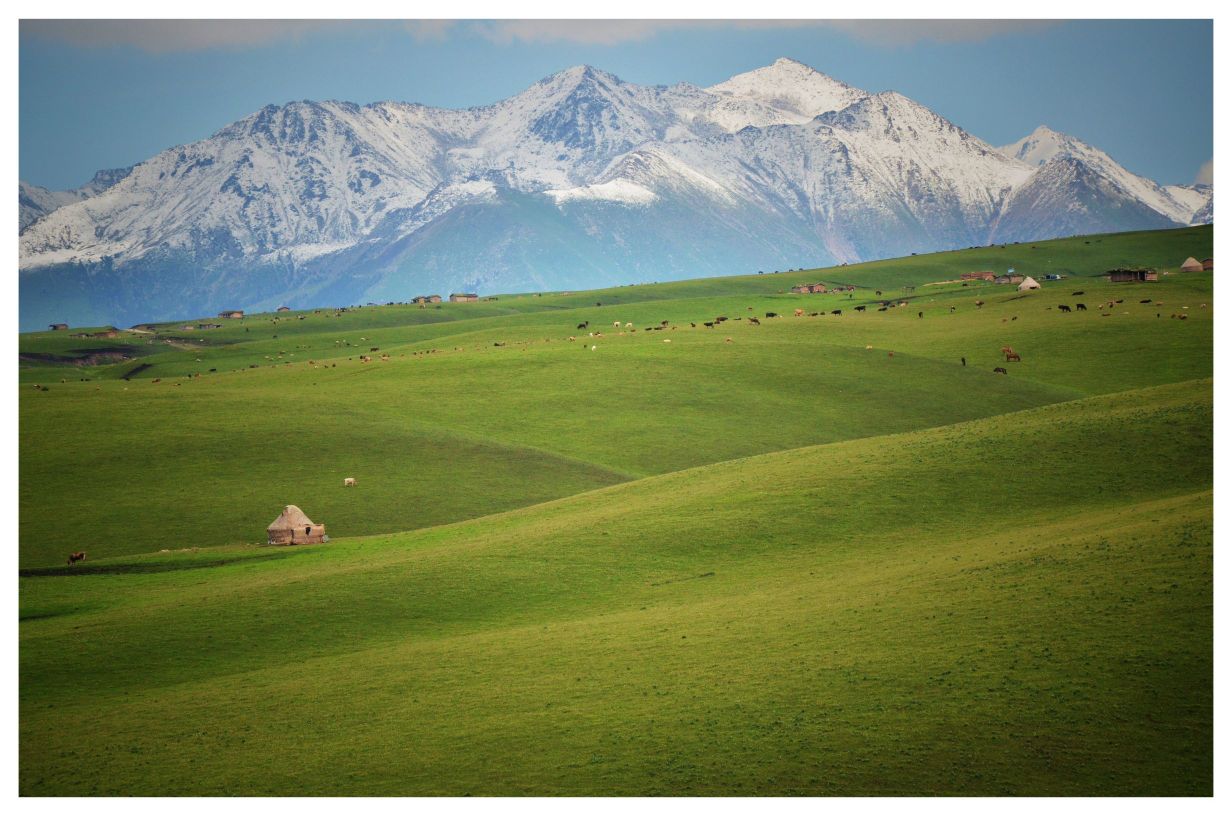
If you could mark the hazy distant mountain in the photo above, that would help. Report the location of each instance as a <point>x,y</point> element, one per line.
<point>581,180</point>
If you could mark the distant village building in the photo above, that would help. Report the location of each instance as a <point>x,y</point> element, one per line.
<point>1010,279</point>
<point>283,309</point>
<point>1191,265</point>
<point>209,325</point>
<point>58,326</point>
<point>986,275</point>
<point>426,299</point>
<point>293,527</point>
<point>463,297</point>
<point>104,334</point>
<point>1131,275</point>
<point>1208,264</point>
<point>232,314</point>
<point>1028,284</point>
<point>809,289</point>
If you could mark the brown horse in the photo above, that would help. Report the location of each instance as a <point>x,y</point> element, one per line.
<point>73,558</point>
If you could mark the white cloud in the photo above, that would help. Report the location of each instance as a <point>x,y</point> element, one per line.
<point>165,36</point>
<point>1206,173</point>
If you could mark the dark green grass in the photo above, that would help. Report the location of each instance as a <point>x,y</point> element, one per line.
<point>1017,605</point>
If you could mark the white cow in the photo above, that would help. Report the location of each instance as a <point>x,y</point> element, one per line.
<point>348,481</point>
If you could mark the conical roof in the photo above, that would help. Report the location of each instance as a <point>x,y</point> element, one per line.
<point>291,518</point>
<point>1191,263</point>
<point>1028,283</point>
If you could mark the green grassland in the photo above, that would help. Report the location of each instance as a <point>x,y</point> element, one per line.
<point>755,560</point>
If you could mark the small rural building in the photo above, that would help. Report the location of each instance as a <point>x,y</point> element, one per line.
<point>283,309</point>
<point>1027,284</point>
<point>426,299</point>
<point>809,289</point>
<point>232,314</point>
<point>1011,279</point>
<point>1132,275</point>
<point>985,275</point>
<point>1208,264</point>
<point>1191,265</point>
<point>463,297</point>
<point>58,326</point>
<point>293,527</point>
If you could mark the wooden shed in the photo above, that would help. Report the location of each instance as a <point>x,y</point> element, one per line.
<point>293,527</point>
<point>232,314</point>
<point>1208,264</point>
<point>283,309</point>
<point>1191,265</point>
<point>58,326</point>
<point>1132,275</point>
<point>986,275</point>
<point>463,297</point>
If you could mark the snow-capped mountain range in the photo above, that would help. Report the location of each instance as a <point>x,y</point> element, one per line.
<point>582,180</point>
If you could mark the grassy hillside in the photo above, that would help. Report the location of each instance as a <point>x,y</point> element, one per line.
<point>819,555</point>
<point>453,426</point>
<point>1019,604</point>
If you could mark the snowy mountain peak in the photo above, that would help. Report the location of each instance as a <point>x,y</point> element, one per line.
<point>1042,144</point>
<point>792,86</point>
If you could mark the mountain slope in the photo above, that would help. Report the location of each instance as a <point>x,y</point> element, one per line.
<point>580,180</point>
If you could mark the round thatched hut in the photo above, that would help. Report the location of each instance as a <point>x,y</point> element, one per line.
<point>293,527</point>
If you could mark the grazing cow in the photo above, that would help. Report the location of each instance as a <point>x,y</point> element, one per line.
<point>1078,294</point>
<point>348,481</point>
<point>1148,300</point>
<point>999,370</point>
<point>628,325</point>
<point>754,321</point>
<point>583,325</point>
<point>663,322</point>
<point>73,558</point>
<point>1013,357</point>
<point>772,314</point>
<point>727,340</point>
<point>799,313</point>
<point>860,308</point>
<point>1082,307</point>
<point>883,308</point>
<point>878,293</point>
<point>708,325</point>
<point>921,314</point>
<point>979,304</point>
<point>720,319</point>
<point>693,325</point>
<point>891,354</point>
<point>837,312</point>
<point>616,325</point>
<point>1064,308</point>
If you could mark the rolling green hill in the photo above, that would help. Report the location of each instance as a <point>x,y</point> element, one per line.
<point>820,555</point>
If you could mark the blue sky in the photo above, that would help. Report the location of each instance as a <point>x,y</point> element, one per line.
<point>110,94</point>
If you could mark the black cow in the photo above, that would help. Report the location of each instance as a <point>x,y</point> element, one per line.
<point>860,308</point>
<point>1064,308</point>
<point>772,314</point>
<point>1082,307</point>
<point>837,312</point>
<point>999,370</point>
<point>1077,294</point>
